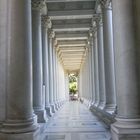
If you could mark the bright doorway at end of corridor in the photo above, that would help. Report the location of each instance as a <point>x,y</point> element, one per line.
<point>73,87</point>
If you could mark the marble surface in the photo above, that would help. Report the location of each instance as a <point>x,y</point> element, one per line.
<point>75,122</point>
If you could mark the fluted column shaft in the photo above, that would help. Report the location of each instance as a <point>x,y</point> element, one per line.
<point>96,72</point>
<point>127,64</point>
<point>19,111</point>
<point>37,60</point>
<point>51,81</point>
<point>54,75</point>
<point>101,63</point>
<point>3,47</point>
<point>57,84</point>
<point>46,23</point>
<point>109,56</point>
<point>90,73</point>
<point>93,70</point>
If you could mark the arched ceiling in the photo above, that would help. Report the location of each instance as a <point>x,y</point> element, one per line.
<point>71,21</point>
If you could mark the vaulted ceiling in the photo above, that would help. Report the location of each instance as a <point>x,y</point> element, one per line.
<point>71,21</point>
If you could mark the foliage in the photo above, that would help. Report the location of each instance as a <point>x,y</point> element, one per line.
<point>72,78</point>
<point>73,87</point>
<point>72,84</point>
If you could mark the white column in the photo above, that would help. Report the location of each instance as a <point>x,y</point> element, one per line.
<point>3,48</point>
<point>91,73</point>
<point>101,62</point>
<point>127,55</point>
<point>108,56</point>
<point>54,74</point>
<point>51,82</point>
<point>96,72</point>
<point>67,86</point>
<point>92,70</point>
<point>46,23</point>
<point>37,60</point>
<point>19,112</point>
<point>57,82</point>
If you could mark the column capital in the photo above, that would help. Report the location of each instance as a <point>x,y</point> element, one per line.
<point>99,20</point>
<point>51,33</point>
<point>55,42</point>
<point>38,4</point>
<point>93,29</point>
<point>57,48</point>
<point>99,9</point>
<point>46,21</point>
<point>106,4</point>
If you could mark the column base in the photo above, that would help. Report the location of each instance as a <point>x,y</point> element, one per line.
<point>41,115</point>
<point>53,108</point>
<point>49,111</point>
<point>110,108</point>
<point>126,129</point>
<point>106,117</point>
<point>22,136</point>
<point>101,105</point>
<point>86,102</point>
<point>60,104</point>
<point>96,104</point>
<point>20,126</point>
<point>56,106</point>
<point>89,104</point>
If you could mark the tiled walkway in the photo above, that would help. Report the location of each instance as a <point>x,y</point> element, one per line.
<point>75,122</point>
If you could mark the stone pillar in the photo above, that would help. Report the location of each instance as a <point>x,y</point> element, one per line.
<point>39,109</point>
<point>54,73</point>
<point>19,112</point>
<point>56,77</point>
<point>57,86</point>
<point>3,48</point>
<point>101,62</point>
<point>51,95</point>
<point>108,56</point>
<point>92,70</point>
<point>127,55</point>
<point>96,72</point>
<point>90,74</point>
<point>46,23</point>
<point>67,86</point>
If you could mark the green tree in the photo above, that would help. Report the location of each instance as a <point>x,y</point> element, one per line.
<point>72,84</point>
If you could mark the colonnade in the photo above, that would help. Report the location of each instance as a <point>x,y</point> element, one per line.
<point>34,85</point>
<point>30,71</point>
<point>114,68</point>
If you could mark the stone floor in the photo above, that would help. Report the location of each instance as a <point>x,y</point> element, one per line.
<point>75,122</point>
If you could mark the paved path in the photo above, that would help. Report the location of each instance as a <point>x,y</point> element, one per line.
<point>75,122</point>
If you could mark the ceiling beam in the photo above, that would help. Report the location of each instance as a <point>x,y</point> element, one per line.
<point>71,36</point>
<point>72,43</point>
<point>72,14</point>
<point>72,48</point>
<point>71,59</point>
<point>71,27</point>
<point>50,1</point>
